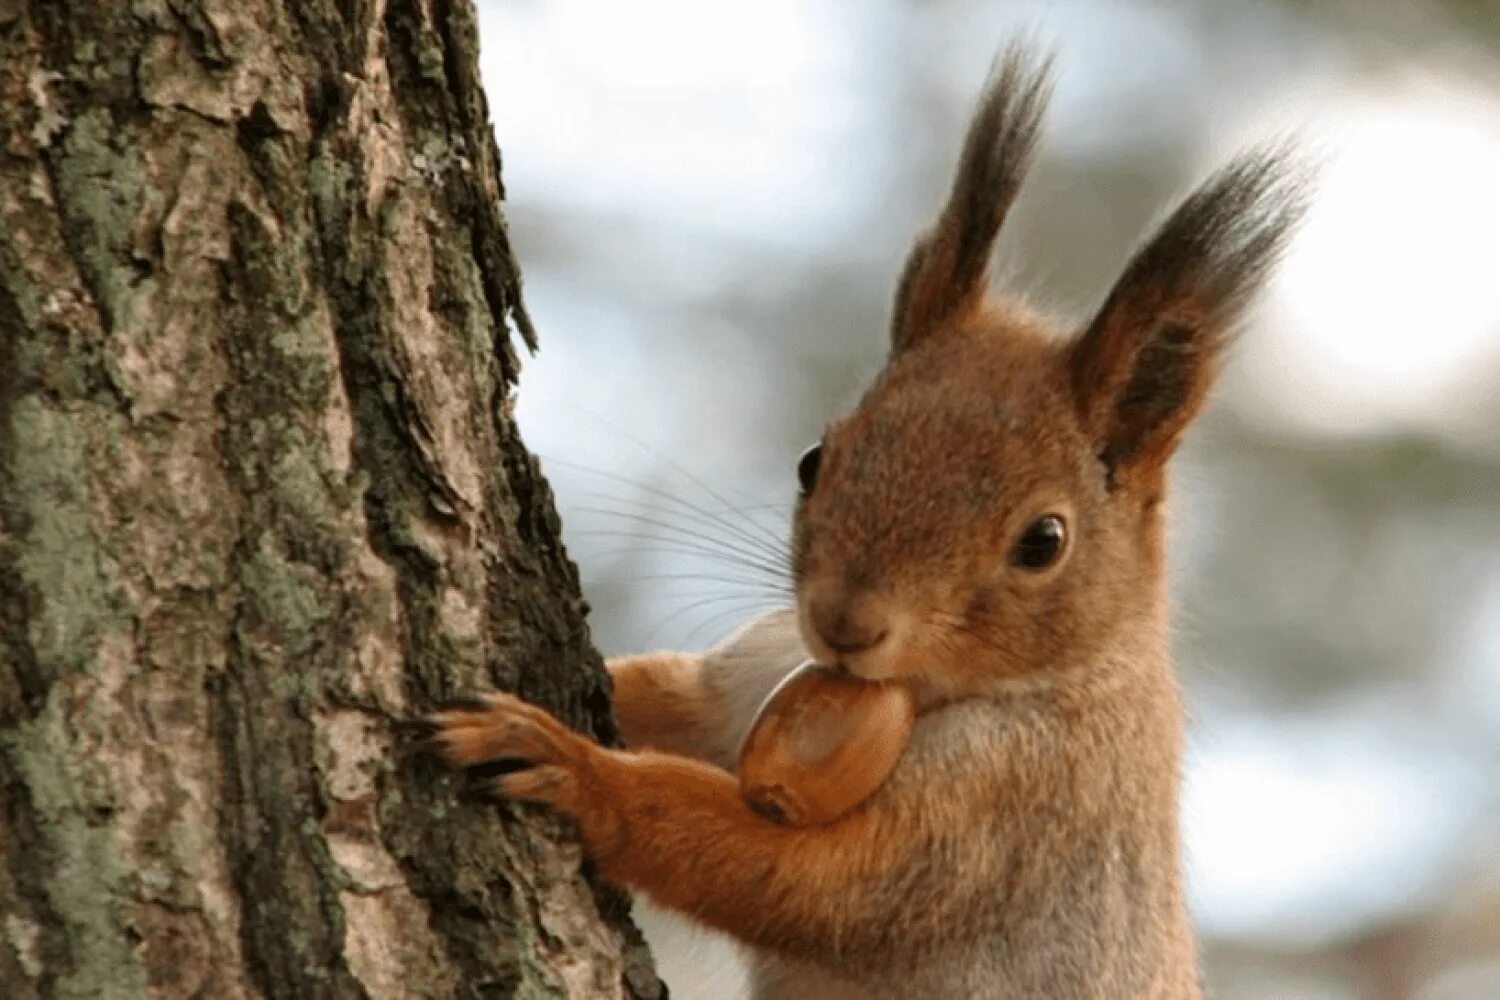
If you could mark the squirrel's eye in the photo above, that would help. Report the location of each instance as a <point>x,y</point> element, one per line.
<point>1040,544</point>
<point>807,467</point>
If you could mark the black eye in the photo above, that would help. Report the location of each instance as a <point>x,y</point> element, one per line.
<point>807,467</point>
<point>1040,544</point>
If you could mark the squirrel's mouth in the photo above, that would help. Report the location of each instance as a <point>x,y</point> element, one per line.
<point>886,660</point>
<point>851,627</point>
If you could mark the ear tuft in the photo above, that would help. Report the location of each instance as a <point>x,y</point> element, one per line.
<point>946,272</point>
<point>1143,368</point>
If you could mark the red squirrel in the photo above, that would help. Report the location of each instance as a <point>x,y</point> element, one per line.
<point>986,528</point>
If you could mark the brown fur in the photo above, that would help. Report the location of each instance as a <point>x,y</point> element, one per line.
<point>1026,843</point>
<point>659,700</point>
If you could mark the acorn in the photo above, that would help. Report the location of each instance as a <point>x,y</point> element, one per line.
<point>822,743</point>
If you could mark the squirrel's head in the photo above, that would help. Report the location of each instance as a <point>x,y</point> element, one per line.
<point>992,508</point>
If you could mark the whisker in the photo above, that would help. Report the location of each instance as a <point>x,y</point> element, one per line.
<point>687,548</point>
<point>700,515</point>
<point>765,534</point>
<point>716,621</point>
<point>774,540</point>
<point>758,553</point>
<point>694,480</point>
<point>784,508</point>
<point>718,531</point>
<point>740,600</point>
<point>666,548</point>
<point>681,585</point>
<point>760,585</point>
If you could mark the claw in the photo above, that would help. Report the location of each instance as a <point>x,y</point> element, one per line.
<point>477,792</point>
<point>548,784</point>
<point>465,704</point>
<point>419,738</point>
<point>484,781</point>
<point>415,730</point>
<point>489,770</point>
<point>508,749</point>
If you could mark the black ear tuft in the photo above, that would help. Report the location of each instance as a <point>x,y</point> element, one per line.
<point>947,269</point>
<point>1143,367</point>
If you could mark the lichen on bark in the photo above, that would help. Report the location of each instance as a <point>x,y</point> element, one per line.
<point>260,495</point>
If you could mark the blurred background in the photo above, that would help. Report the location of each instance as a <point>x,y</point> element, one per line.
<point>711,201</point>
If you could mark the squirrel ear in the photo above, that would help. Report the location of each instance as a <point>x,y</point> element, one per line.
<point>1142,368</point>
<point>946,272</point>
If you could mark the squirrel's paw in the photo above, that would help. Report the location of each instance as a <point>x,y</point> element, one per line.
<point>501,728</point>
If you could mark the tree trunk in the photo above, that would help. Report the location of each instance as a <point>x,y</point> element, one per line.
<point>260,494</point>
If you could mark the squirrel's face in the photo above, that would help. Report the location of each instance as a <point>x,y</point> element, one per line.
<point>992,506</point>
<point>956,527</point>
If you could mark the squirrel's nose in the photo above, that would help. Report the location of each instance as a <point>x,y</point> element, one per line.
<point>851,625</point>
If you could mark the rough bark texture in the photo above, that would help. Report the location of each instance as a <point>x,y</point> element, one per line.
<point>260,493</point>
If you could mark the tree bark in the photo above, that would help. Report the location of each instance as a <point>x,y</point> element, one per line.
<point>260,494</point>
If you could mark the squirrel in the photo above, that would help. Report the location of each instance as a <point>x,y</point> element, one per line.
<point>986,527</point>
